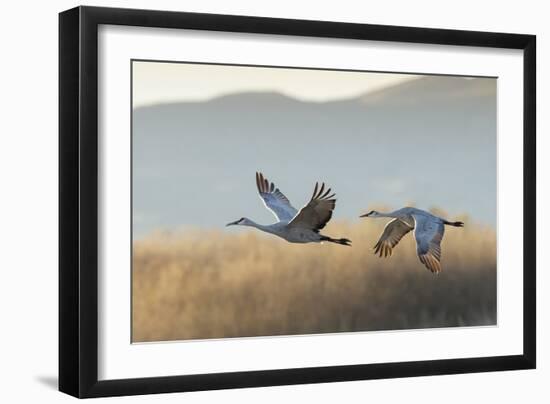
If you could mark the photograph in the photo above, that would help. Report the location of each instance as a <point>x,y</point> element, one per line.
<point>272,201</point>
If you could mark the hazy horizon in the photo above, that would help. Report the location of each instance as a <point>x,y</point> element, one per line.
<point>430,141</point>
<point>164,82</point>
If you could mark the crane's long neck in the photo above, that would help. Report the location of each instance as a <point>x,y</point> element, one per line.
<point>252,223</point>
<point>393,214</point>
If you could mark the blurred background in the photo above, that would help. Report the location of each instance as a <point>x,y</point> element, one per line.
<point>216,284</point>
<point>200,132</point>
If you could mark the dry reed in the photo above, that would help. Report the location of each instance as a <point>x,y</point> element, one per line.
<point>198,284</point>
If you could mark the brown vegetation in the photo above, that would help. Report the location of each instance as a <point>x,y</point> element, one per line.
<point>199,284</point>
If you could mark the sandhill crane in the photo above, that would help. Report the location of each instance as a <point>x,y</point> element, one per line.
<point>428,232</point>
<point>295,226</point>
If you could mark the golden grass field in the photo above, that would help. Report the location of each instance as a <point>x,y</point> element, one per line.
<point>197,284</point>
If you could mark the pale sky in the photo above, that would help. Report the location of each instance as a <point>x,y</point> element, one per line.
<point>159,82</point>
<point>182,168</point>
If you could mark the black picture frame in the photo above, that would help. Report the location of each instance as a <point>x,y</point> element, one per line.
<point>78,201</point>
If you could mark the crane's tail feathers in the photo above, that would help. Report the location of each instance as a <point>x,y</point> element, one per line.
<point>455,224</point>
<point>342,241</point>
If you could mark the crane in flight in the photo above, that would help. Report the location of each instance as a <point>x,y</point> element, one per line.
<point>428,232</point>
<point>295,226</point>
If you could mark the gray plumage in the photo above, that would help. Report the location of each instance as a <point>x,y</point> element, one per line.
<point>428,233</point>
<point>295,226</point>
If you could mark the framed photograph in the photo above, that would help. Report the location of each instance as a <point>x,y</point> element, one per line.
<point>251,201</point>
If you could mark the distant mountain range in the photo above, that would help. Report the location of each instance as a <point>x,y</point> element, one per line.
<point>430,140</point>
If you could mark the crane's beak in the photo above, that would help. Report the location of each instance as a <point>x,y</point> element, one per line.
<point>367,214</point>
<point>233,223</point>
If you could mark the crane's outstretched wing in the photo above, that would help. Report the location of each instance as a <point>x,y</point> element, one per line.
<point>317,212</point>
<point>274,199</point>
<point>392,234</point>
<point>428,234</point>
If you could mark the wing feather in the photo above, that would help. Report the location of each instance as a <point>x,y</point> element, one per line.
<point>428,234</point>
<point>392,234</point>
<point>318,211</point>
<point>274,199</point>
